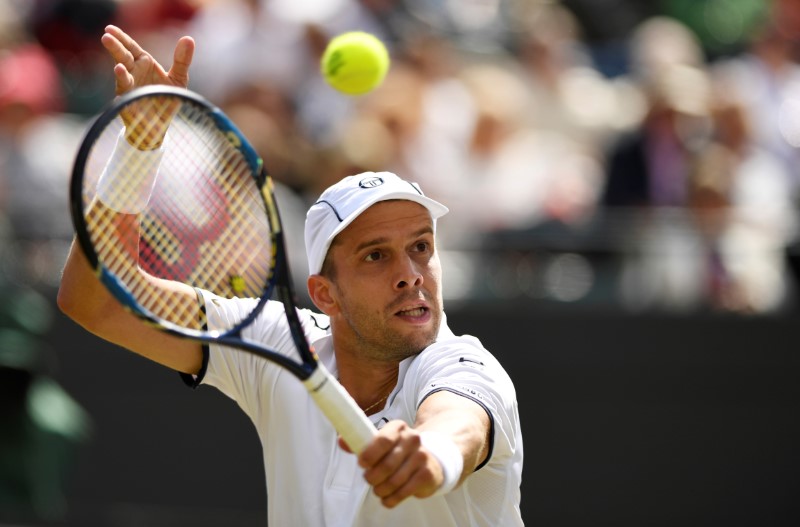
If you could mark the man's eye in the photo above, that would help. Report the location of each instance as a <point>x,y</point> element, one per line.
<point>422,247</point>
<point>373,256</point>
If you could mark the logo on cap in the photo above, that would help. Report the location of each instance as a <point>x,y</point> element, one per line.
<point>371,182</point>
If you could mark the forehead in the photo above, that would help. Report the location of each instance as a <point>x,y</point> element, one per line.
<point>387,218</point>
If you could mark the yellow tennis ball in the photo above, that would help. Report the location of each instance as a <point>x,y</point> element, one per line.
<point>355,62</point>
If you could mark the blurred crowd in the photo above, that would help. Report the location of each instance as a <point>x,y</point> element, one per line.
<point>640,155</point>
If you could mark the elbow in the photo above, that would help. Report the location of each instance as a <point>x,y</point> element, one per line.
<point>80,296</point>
<point>69,302</point>
<point>79,305</point>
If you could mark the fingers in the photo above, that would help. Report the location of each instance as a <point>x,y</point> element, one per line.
<point>122,47</point>
<point>136,67</point>
<point>126,40</point>
<point>397,467</point>
<point>182,59</point>
<point>411,477</point>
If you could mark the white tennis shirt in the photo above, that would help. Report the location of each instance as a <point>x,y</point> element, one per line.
<point>310,480</point>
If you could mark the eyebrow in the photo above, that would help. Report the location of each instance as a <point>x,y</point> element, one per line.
<point>383,239</point>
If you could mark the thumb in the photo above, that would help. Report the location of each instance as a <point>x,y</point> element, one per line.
<point>182,60</point>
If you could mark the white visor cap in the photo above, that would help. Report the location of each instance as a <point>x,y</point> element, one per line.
<point>344,201</point>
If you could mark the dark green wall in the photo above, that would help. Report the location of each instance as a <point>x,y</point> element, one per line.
<point>645,421</point>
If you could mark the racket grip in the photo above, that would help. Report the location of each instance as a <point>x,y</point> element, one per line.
<point>341,410</point>
<point>128,179</point>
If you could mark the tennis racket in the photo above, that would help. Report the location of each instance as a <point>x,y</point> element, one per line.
<point>166,188</point>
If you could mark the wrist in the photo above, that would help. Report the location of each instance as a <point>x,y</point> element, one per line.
<point>449,456</point>
<point>128,178</point>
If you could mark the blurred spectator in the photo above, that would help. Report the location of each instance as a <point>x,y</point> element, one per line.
<point>567,93</point>
<point>518,175</point>
<point>650,166</point>
<point>766,78</point>
<point>67,30</point>
<point>728,252</point>
<point>29,91</point>
<point>34,186</point>
<point>764,219</point>
<point>676,264</point>
<point>478,26</point>
<point>148,16</point>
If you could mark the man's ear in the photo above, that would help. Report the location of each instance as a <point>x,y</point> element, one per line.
<point>320,290</point>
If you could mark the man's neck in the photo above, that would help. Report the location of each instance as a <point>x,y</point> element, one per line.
<point>368,382</point>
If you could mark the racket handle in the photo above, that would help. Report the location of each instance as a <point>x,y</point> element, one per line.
<point>340,409</point>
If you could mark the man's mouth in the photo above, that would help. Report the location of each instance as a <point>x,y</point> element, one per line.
<point>413,312</point>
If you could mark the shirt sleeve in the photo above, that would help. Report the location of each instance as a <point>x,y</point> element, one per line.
<point>245,377</point>
<point>462,366</point>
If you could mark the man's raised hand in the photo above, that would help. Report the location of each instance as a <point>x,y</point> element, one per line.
<point>146,126</point>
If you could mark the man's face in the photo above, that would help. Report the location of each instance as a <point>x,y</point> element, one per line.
<point>387,282</point>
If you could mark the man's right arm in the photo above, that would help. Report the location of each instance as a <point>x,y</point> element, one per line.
<point>81,296</point>
<point>84,299</point>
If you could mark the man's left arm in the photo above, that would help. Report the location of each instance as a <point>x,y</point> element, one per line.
<point>450,438</point>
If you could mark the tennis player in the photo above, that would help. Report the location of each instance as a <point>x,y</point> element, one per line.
<point>448,450</point>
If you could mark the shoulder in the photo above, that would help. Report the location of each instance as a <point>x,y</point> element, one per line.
<point>462,364</point>
<point>224,312</point>
<point>464,350</point>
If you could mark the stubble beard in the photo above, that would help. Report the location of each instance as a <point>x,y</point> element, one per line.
<point>383,344</point>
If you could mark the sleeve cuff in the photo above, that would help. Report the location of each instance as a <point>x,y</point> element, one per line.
<point>190,380</point>
<point>193,381</point>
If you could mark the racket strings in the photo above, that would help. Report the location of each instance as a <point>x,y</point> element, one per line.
<point>202,218</point>
<point>252,231</point>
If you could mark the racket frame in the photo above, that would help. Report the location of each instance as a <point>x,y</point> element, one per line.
<point>279,270</point>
